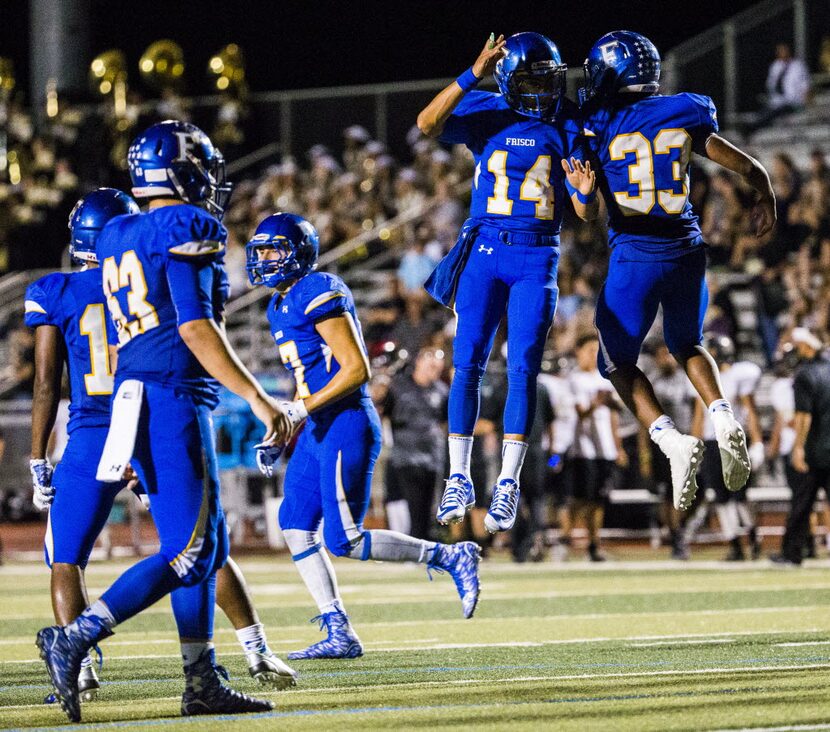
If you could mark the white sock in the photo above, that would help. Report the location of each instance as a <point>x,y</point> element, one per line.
<point>461,447</point>
<point>744,515</point>
<point>392,546</point>
<point>315,568</point>
<point>253,641</point>
<point>398,517</point>
<point>660,427</point>
<point>721,406</point>
<point>99,610</point>
<point>512,457</point>
<point>192,652</point>
<point>728,520</point>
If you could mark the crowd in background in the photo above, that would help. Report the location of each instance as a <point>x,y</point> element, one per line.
<point>759,290</point>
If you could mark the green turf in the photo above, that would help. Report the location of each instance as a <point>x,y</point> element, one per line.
<point>626,647</point>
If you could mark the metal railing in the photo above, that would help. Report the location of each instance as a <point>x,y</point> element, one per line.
<point>729,62</point>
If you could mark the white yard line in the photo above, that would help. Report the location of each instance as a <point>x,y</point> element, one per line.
<point>804,643</point>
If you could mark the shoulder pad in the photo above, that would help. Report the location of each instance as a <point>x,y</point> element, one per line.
<point>41,298</point>
<point>193,232</point>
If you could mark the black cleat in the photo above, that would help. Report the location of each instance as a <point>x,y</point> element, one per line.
<point>206,694</point>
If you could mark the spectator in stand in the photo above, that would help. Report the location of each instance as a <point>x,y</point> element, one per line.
<point>788,84</point>
<point>810,456</point>
<point>597,445</point>
<point>416,407</point>
<point>416,265</point>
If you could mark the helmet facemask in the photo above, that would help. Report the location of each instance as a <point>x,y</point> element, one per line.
<point>271,261</point>
<point>537,92</point>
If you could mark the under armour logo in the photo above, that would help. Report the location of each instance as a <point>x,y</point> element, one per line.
<point>486,250</point>
<point>285,308</point>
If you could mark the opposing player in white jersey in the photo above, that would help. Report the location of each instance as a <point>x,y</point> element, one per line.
<point>739,380</point>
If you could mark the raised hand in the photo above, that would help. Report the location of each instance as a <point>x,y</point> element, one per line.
<point>485,64</point>
<point>763,215</point>
<point>580,175</point>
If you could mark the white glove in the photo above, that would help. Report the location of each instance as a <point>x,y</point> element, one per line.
<point>296,413</point>
<point>267,456</point>
<point>44,493</point>
<point>140,494</point>
<point>756,455</point>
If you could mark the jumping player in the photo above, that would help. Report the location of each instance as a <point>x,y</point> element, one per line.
<point>315,327</point>
<point>643,143</point>
<point>163,281</point>
<point>525,143</point>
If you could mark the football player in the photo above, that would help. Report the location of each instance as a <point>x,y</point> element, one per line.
<point>165,287</point>
<point>314,324</point>
<point>643,143</point>
<point>66,311</point>
<point>739,381</point>
<point>525,143</point>
<point>68,314</point>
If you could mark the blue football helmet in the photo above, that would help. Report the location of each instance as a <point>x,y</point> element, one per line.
<point>620,62</point>
<point>177,159</point>
<point>531,75</point>
<point>284,247</point>
<point>89,216</point>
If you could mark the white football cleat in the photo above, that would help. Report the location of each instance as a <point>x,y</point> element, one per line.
<point>268,670</point>
<point>685,454</point>
<point>734,455</point>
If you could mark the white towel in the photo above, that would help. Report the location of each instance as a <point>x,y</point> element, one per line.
<point>118,449</point>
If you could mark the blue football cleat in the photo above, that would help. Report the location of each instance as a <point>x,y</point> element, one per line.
<point>461,562</point>
<point>205,693</point>
<point>342,641</point>
<point>459,496</point>
<point>502,513</point>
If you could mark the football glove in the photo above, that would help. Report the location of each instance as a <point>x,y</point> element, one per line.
<point>267,456</point>
<point>296,413</point>
<point>44,493</point>
<point>141,495</point>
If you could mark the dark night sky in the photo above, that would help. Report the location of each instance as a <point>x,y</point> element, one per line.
<point>305,44</point>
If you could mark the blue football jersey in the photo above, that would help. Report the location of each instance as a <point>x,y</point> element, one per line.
<point>161,269</point>
<point>292,317</point>
<point>644,149</point>
<point>519,183</point>
<point>74,303</point>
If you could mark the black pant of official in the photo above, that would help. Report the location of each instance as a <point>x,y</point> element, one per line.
<point>805,487</point>
<point>416,486</point>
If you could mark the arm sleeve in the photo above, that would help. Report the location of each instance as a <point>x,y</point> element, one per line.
<point>803,393</point>
<point>195,234</point>
<point>191,288</point>
<point>462,125</point>
<point>40,304</point>
<point>221,290</point>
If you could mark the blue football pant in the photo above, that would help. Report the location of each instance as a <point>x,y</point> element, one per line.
<point>502,278</point>
<point>329,477</point>
<point>628,302</point>
<point>82,504</point>
<point>175,459</point>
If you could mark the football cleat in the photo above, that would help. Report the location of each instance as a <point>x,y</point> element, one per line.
<point>460,561</point>
<point>459,496</point>
<point>734,454</point>
<point>502,513</point>
<point>206,694</point>
<point>341,640</point>
<point>63,655</point>
<point>270,671</point>
<point>685,454</point>
<point>88,684</point>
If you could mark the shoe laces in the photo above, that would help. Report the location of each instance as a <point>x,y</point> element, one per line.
<point>455,492</point>
<point>505,498</point>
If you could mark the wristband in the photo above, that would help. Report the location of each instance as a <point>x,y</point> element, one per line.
<point>586,197</point>
<point>468,80</point>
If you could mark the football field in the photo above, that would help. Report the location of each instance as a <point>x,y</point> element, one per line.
<point>623,646</point>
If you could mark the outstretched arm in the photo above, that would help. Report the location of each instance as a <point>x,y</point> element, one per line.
<point>432,118</point>
<point>724,153</point>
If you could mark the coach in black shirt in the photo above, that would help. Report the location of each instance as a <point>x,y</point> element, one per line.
<point>416,407</point>
<point>811,453</point>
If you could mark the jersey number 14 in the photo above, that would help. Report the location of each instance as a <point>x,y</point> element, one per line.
<point>535,186</point>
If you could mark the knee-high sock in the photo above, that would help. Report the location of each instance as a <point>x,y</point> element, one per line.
<point>728,520</point>
<point>392,546</point>
<point>398,516</point>
<point>313,563</point>
<point>193,608</point>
